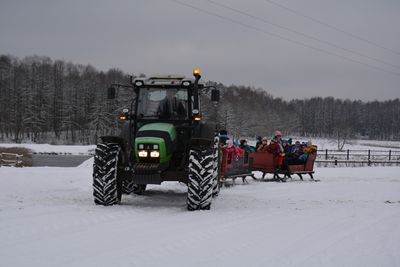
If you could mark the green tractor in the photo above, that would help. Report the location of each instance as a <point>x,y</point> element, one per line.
<point>163,138</point>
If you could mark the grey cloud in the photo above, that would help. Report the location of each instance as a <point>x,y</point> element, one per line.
<point>159,36</point>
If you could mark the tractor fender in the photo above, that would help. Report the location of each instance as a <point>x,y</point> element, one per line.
<point>113,139</point>
<point>125,133</point>
<point>203,135</point>
<point>118,140</point>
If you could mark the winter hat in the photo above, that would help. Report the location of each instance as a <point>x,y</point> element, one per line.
<point>229,143</point>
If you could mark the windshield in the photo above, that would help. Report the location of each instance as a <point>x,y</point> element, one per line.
<point>167,104</point>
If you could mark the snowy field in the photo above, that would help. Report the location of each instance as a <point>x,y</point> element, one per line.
<point>350,218</point>
<point>322,143</point>
<point>55,149</point>
<point>325,143</point>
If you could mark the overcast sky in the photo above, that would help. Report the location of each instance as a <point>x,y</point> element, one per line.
<point>163,36</point>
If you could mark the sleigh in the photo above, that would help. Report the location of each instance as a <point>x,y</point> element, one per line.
<point>237,167</point>
<point>265,162</point>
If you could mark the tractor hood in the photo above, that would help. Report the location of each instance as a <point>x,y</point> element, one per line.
<point>159,137</point>
<point>165,128</point>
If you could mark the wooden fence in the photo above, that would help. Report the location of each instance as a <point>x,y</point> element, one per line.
<point>360,157</point>
<point>11,159</point>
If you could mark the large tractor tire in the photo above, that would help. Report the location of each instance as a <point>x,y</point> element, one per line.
<point>107,185</point>
<point>200,180</point>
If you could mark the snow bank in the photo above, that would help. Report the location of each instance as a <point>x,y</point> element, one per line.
<point>350,218</point>
<point>87,163</point>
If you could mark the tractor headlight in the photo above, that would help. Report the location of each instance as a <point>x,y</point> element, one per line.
<point>154,154</point>
<point>139,83</point>
<point>143,153</point>
<point>186,83</point>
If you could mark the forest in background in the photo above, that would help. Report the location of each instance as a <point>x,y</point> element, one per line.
<point>53,101</point>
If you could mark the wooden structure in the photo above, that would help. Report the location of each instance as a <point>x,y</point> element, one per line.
<point>10,159</point>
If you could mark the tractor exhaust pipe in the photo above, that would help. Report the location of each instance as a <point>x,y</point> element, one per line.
<point>197,76</point>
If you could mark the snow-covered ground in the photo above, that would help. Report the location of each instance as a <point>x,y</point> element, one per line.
<point>55,149</point>
<point>350,218</point>
<point>325,143</point>
<point>322,143</point>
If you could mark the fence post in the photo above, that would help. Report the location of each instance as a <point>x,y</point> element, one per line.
<point>335,162</point>
<point>326,154</point>
<point>369,157</point>
<point>390,154</point>
<point>347,154</point>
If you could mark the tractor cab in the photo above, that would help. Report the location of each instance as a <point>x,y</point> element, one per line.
<point>169,98</point>
<point>165,98</point>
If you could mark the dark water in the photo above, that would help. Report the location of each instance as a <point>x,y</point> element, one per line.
<point>58,160</point>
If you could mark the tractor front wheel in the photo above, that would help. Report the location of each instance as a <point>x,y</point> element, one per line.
<point>107,184</point>
<point>200,180</point>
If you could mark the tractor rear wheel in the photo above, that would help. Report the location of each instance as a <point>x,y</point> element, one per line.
<point>107,184</point>
<point>139,189</point>
<point>128,187</point>
<point>217,165</point>
<point>200,180</point>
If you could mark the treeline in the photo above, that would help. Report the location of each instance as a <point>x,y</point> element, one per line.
<point>329,117</point>
<point>42,100</point>
<point>248,112</point>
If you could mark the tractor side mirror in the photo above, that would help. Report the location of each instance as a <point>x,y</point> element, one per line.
<point>215,95</point>
<point>111,92</point>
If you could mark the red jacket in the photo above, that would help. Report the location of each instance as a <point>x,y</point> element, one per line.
<point>233,152</point>
<point>274,148</point>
